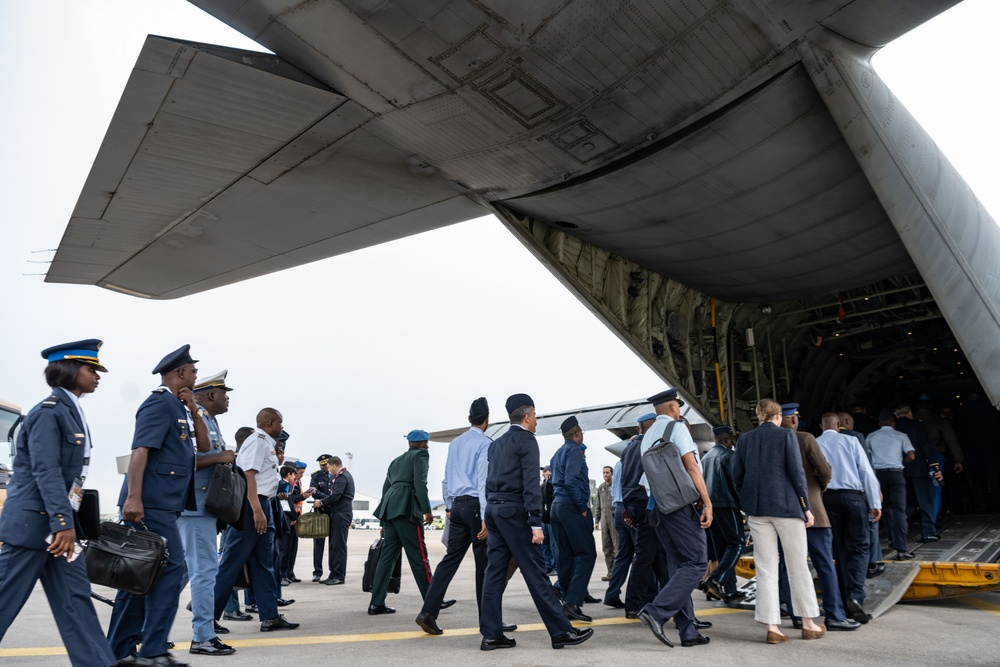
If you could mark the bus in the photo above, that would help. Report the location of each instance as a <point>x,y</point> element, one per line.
<point>10,419</point>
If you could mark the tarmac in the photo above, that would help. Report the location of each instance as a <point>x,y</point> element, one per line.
<point>335,629</point>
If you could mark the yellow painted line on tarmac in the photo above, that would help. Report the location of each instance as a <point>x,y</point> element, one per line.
<point>979,603</point>
<point>292,639</point>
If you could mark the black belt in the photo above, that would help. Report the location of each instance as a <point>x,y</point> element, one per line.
<point>504,502</point>
<point>467,497</point>
<point>264,497</point>
<point>860,493</point>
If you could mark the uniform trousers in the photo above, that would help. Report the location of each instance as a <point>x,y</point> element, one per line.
<point>623,559</point>
<point>574,532</point>
<point>401,533</point>
<point>510,537</point>
<point>464,523</point>
<point>819,542</point>
<point>609,539</point>
<point>726,532</point>
<point>649,568</point>
<point>923,497</point>
<point>319,547</point>
<point>848,512</point>
<point>201,555</point>
<point>894,506</point>
<point>150,616</point>
<point>289,547</point>
<point>684,542</point>
<point>340,527</point>
<point>68,591</point>
<point>550,551</point>
<point>767,531</point>
<point>248,547</point>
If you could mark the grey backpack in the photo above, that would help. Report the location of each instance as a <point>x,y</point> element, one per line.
<point>668,479</point>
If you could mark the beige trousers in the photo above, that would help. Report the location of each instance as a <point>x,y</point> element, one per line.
<point>766,531</point>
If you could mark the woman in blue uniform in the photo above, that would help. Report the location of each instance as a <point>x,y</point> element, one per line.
<point>38,527</point>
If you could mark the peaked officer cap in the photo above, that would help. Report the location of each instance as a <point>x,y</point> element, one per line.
<point>719,430</point>
<point>217,381</point>
<point>80,350</point>
<point>789,409</point>
<point>174,360</point>
<point>665,397</point>
<point>324,459</point>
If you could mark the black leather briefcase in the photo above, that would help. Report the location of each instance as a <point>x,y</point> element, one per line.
<point>368,577</point>
<point>126,558</point>
<point>227,489</point>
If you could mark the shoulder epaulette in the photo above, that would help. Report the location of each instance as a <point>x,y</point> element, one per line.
<point>159,390</point>
<point>50,402</point>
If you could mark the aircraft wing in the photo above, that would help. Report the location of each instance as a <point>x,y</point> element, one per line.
<point>222,164</point>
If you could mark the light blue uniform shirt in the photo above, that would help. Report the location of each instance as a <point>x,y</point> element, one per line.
<point>889,446</point>
<point>616,485</point>
<point>850,467</point>
<point>680,437</point>
<point>466,468</point>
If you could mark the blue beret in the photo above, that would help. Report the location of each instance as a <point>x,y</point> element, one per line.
<point>80,350</point>
<point>518,400</point>
<point>648,417</point>
<point>174,360</point>
<point>664,397</point>
<point>789,409</point>
<point>416,435</point>
<point>719,430</point>
<point>301,465</point>
<point>569,424</point>
<point>479,408</point>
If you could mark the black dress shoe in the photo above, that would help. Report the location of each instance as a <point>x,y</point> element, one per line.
<point>715,588</point>
<point>376,609</point>
<point>252,609</point>
<point>316,578</point>
<point>188,607</point>
<point>575,612</point>
<point>447,603</point>
<point>491,644</point>
<point>220,630</point>
<point>735,596</point>
<point>797,622</point>
<point>905,555</point>
<point>856,611</point>
<point>654,627</point>
<point>165,660</point>
<point>615,604</point>
<point>282,602</point>
<point>213,646</point>
<point>702,625</point>
<point>590,599</point>
<point>294,579</point>
<point>508,627</point>
<point>428,624</point>
<point>573,637</point>
<point>334,582</point>
<point>631,614</point>
<point>931,538</point>
<point>846,624</point>
<point>236,616</point>
<point>279,623</point>
<point>876,569</point>
<point>697,640</point>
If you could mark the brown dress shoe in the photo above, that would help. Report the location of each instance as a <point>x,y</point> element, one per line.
<point>776,637</point>
<point>814,634</point>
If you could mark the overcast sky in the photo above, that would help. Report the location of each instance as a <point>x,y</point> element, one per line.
<point>355,350</point>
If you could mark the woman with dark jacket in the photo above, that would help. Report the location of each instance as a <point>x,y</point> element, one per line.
<point>769,477</point>
<point>38,526</point>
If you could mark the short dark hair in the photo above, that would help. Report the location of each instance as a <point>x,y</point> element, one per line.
<point>242,434</point>
<point>478,421</point>
<point>286,471</point>
<point>609,468</point>
<point>335,460</point>
<point>517,416</point>
<point>62,373</point>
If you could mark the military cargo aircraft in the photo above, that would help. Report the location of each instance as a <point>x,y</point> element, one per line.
<point>727,184</point>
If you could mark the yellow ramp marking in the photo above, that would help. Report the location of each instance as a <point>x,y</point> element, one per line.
<point>292,639</point>
<point>978,603</point>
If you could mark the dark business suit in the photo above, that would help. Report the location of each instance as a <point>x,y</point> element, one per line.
<point>340,506</point>
<point>161,426</point>
<point>404,502</point>
<point>917,473</point>
<point>513,510</point>
<point>649,569</point>
<point>50,455</point>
